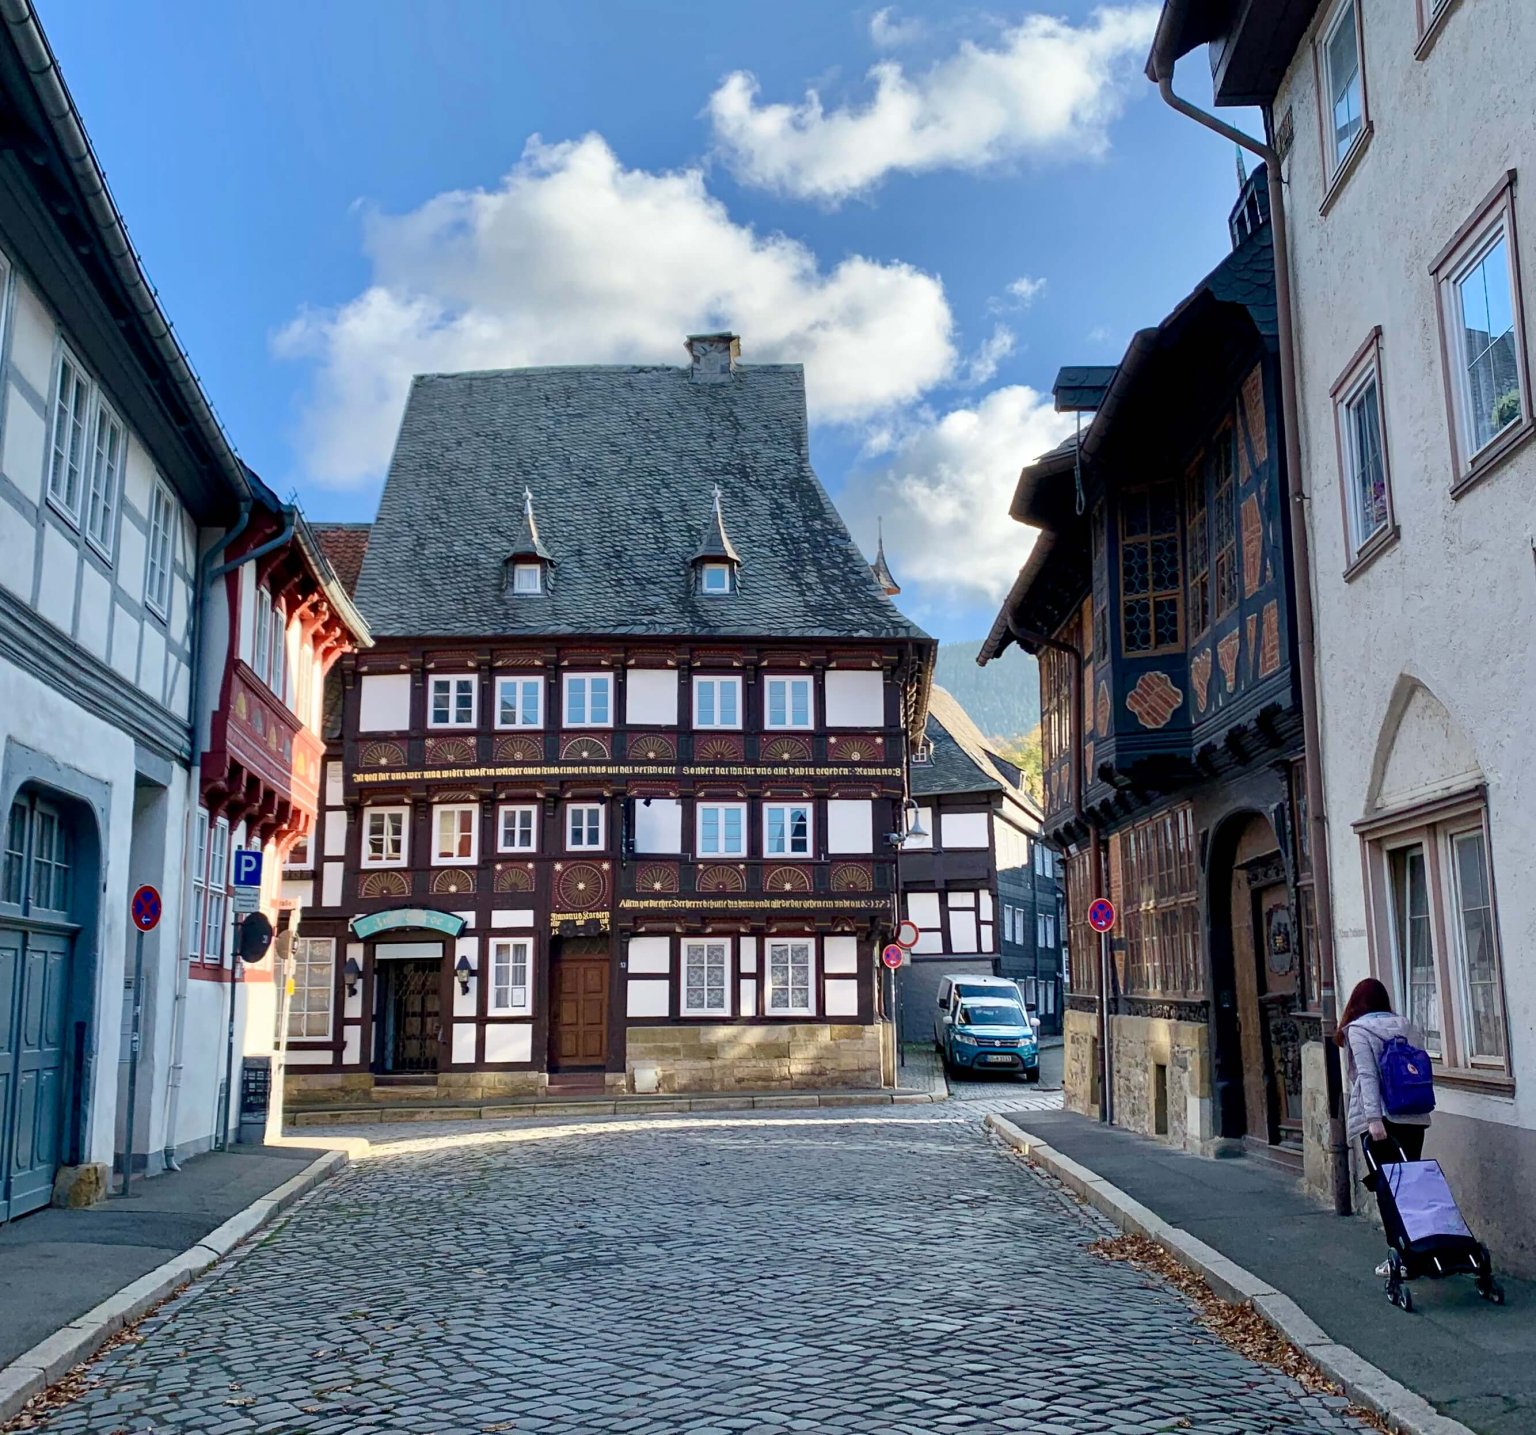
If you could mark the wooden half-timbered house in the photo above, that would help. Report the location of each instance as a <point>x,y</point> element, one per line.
<point>611,796</point>
<point>1158,599</point>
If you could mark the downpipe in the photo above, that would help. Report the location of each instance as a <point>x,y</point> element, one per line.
<point>1306,623</point>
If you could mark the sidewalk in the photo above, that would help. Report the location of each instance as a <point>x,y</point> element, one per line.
<point>57,1265</point>
<point>1472,1361</point>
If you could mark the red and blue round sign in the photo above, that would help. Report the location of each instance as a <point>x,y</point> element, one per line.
<point>1101,914</point>
<point>146,909</point>
<point>893,955</point>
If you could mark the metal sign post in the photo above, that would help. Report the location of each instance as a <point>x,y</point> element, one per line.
<point>145,912</point>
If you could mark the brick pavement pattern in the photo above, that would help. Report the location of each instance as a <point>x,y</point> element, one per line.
<point>756,1275</point>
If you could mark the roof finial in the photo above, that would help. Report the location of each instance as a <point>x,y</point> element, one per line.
<point>880,568</point>
<point>1242,168</point>
<point>717,498</point>
<point>716,544</point>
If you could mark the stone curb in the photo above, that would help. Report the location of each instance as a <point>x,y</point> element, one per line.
<point>1365,1384</point>
<point>52,1358</point>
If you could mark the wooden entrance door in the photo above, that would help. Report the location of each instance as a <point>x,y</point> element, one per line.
<point>34,991</point>
<point>578,1025</point>
<point>1280,976</point>
<point>413,1018</point>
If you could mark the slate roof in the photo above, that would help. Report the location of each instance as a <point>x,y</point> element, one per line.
<point>344,545</point>
<point>963,761</point>
<point>622,463</point>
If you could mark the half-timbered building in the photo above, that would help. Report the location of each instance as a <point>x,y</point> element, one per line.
<point>1157,599</point>
<point>611,797</point>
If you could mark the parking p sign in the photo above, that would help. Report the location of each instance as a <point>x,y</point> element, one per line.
<point>247,867</point>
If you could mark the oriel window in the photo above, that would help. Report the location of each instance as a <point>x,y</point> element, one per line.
<point>1223,520</point>
<point>1151,578</point>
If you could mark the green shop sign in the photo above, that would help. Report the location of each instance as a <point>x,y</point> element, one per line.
<point>397,918</point>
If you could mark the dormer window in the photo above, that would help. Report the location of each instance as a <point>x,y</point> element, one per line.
<point>716,560</point>
<point>527,577</point>
<point>715,578</point>
<point>529,567</point>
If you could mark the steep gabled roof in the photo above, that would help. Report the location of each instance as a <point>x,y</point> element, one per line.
<point>623,461</point>
<point>962,760</point>
<point>344,545</point>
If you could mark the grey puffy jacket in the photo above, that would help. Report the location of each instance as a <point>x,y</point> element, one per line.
<point>1367,1037</point>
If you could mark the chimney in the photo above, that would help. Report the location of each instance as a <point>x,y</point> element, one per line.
<point>713,357</point>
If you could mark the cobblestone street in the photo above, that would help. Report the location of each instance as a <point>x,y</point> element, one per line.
<point>840,1272</point>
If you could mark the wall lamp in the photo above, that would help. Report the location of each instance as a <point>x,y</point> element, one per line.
<point>912,816</point>
<point>465,973</point>
<point>352,974</point>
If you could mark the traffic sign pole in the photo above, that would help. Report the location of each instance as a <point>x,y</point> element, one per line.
<point>144,911</point>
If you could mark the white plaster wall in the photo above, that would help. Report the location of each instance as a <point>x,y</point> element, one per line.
<point>1454,604</point>
<point>964,830</point>
<point>509,1043</point>
<point>384,702</point>
<point>855,699</point>
<point>840,955</point>
<point>850,825</point>
<point>648,997</point>
<point>650,696</point>
<point>649,954</point>
<point>659,825</point>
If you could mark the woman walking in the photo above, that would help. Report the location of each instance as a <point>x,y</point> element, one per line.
<point>1366,1025</point>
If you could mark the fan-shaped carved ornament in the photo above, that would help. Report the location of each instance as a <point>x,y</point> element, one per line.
<point>719,748</point>
<point>519,749</point>
<point>383,884</point>
<point>449,751</point>
<point>786,749</point>
<point>584,749</point>
<point>582,887</point>
<point>514,879</point>
<point>382,754</point>
<point>656,877</point>
<point>853,877</point>
<point>787,879</point>
<point>652,747</point>
<point>453,881</point>
<point>720,878</point>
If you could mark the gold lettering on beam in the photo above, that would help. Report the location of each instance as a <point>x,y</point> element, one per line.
<point>870,903</point>
<point>374,776</point>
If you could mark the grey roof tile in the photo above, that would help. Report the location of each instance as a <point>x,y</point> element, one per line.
<point>622,462</point>
<point>962,760</point>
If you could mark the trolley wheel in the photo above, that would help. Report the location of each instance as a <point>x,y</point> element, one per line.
<point>1401,1297</point>
<point>1490,1290</point>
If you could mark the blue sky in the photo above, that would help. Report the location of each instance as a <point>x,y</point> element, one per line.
<point>331,196</point>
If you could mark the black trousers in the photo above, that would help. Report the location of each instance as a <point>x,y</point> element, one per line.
<point>1405,1142</point>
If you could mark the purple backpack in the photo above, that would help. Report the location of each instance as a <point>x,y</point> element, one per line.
<point>1407,1085</point>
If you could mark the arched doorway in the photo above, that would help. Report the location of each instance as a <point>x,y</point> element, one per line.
<point>47,910</point>
<point>1256,979</point>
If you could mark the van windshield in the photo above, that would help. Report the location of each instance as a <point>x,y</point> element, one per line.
<point>978,1013</point>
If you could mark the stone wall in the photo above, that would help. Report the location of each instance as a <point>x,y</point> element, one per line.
<point>325,1088</point>
<point>1317,1163</point>
<point>1080,1062</point>
<point>1139,1046</point>
<point>811,1055</point>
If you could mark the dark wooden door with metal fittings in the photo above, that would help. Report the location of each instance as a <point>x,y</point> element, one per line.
<point>578,1026</point>
<point>414,1017</point>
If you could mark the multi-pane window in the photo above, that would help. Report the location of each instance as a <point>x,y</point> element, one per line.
<point>787,829</point>
<point>519,702</point>
<point>1441,931</point>
<point>299,858</point>
<point>50,860</point>
<point>1343,85</point>
<point>1045,931</point>
<point>198,913</point>
<point>511,962</point>
<point>106,478</point>
<point>717,702</point>
<point>588,700</point>
<point>218,892</point>
<point>788,702</point>
<point>13,877</point>
<point>1223,491</point>
<point>1082,940</point>
<point>1366,505</point>
<point>722,829</point>
<point>455,830</point>
<point>384,836</point>
<point>451,702</point>
<point>69,453</point>
<point>157,558</point>
<point>261,634</point>
<point>1199,552</point>
<point>517,828</point>
<point>1161,904</point>
<point>309,1008</point>
<point>277,668</point>
<point>790,968</point>
<point>1151,580</point>
<point>1484,347</point>
<point>706,969</point>
<point>583,826</point>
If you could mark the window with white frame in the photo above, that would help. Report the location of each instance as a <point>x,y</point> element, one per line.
<point>589,700</point>
<point>511,968</point>
<point>1483,330</point>
<point>106,479</point>
<point>1342,84</point>
<point>384,842</point>
<point>198,912</point>
<point>715,578</point>
<point>261,639</point>
<point>517,828</point>
<point>218,893</point>
<point>584,826</point>
<point>1045,933</point>
<point>455,828</point>
<point>787,829</point>
<point>519,702</point>
<point>298,858</point>
<point>1441,937</point>
<point>717,702</point>
<point>1362,448</point>
<point>309,1008</point>
<point>157,555</point>
<point>787,702</point>
<point>527,577</point>
<point>68,454</point>
<point>791,967</point>
<point>451,701</point>
<point>277,668</point>
<point>722,829</point>
<point>706,977</point>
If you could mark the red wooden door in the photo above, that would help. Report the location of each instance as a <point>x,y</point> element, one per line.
<point>578,1035</point>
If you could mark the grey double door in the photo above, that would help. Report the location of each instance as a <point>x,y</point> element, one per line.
<point>34,1008</point>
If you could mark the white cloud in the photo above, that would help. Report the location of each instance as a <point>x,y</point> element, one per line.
<point>1026,289</point>
<point>982,365</point>
<point>1046,90</point>
<point>889,32</point>
<point>573,258</point>
<point>943,486</point>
